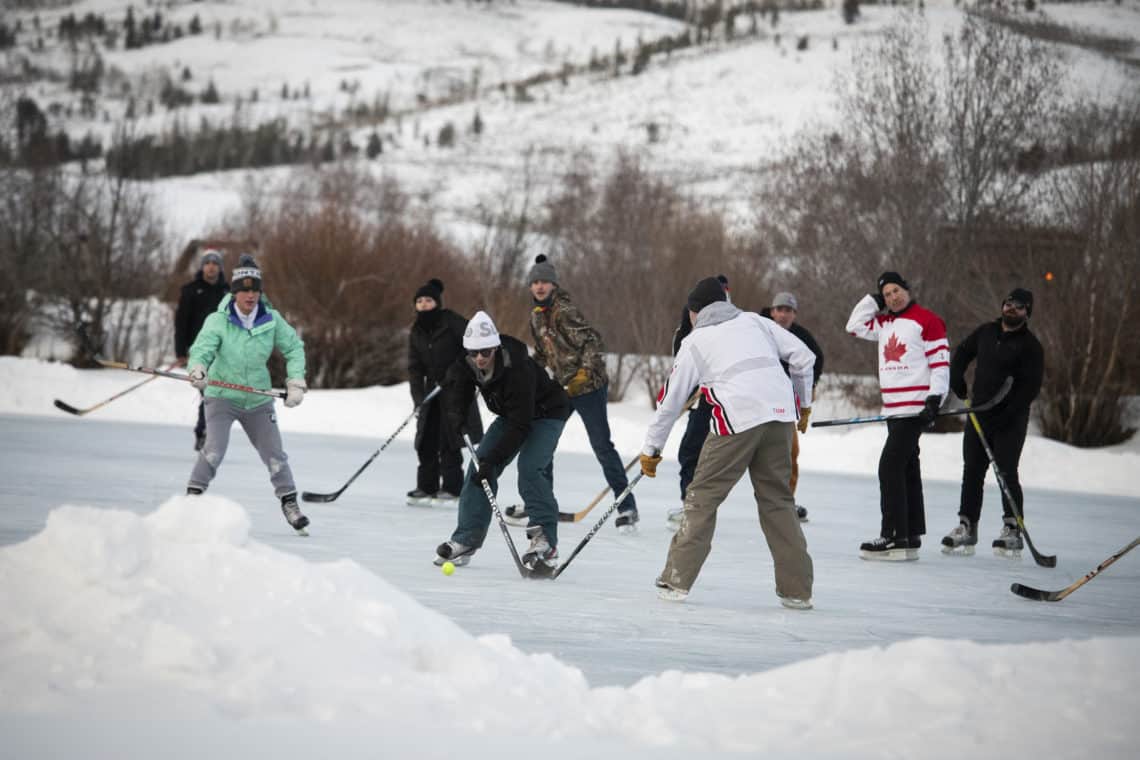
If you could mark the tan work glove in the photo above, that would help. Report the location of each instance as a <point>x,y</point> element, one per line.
<point>649,465</point>
<point>578,382</point>
<point>802,425</point>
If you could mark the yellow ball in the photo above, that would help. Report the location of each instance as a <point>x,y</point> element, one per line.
<point>447,568</point>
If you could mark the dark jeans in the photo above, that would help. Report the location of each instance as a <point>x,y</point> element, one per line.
<point>439,450</point>
<point>1006,443</point>
<point>696,431</point>
<point>591,407</point>
<point>900,481</point>
<point>536,483</point>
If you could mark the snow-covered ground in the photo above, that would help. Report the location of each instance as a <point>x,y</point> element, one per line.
<point>140,623</point>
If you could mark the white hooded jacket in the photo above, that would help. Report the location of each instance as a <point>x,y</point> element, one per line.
<point>734,357</point>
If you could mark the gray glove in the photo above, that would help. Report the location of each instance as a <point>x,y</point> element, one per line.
<point>295,392</point>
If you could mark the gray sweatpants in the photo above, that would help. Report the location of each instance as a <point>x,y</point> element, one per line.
<point>765,452</point>
<point>260,425</point>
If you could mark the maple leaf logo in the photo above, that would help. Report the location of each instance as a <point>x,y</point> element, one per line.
<point>894,350</point>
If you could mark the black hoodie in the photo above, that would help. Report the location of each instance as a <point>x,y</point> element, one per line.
<point>519,391</point>
<point>198,300</point>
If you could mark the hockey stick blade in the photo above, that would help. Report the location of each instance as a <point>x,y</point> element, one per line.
<point>320,498</point>
<point>69,408</point>
<point>1039,595</point>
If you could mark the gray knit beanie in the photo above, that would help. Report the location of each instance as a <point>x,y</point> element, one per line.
<point>542,270</point>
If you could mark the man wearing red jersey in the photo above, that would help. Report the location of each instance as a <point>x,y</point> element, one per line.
<point>914,376</point>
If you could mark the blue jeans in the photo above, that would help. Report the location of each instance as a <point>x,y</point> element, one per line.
<point>696,431</point>
<point>536,483</point>
<point>591,407</point>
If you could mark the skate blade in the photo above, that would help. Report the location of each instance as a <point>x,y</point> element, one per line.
<point>894,555</point>
<point>1007,553</point>
<point>419,502</point>
<point>958,551</point>
<point>444,502</point>
<point>672,594</point>
<point>627,530</point>
<point>460,561</point>
<point>301,532</point>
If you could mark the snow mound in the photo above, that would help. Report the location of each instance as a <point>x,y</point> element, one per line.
<point>124,616</point>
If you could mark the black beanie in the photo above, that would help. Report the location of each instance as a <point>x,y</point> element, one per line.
<point>886,278</point>
<point>1025,297</point>
<point>432,289</point>
<point>708,290</point>
<point>247,276</point>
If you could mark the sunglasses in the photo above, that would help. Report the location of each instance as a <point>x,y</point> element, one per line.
<point>1015,304</point>
<point>484,352</point>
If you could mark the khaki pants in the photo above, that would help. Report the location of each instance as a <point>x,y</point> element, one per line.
<point>765,452</point>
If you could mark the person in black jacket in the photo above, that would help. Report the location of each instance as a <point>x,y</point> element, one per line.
<point>199,299</point>
<point>783,311</point>
<point>435,342</point>
<point>1002,348</point>
<point>531,411</point>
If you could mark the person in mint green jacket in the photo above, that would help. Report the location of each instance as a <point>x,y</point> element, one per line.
<point>233,346</point>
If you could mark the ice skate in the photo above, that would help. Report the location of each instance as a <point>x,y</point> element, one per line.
<point>540,557</point>
<point>884,549</point>
<point>454,552</point>
<point>293,513</point>
<point>419,498</point>
<point>627,521</point>
<point>962,540</point>
<point>674,518</point>
<point>444,499</point>
<point>1009,543</point>
<point>794,603</point>
<point>670,593</point>
<point>801,513</point>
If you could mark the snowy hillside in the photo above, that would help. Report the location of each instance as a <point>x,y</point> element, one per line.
<point>708,116</point>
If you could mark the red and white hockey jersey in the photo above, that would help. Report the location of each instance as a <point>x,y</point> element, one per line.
<point>914,353</point>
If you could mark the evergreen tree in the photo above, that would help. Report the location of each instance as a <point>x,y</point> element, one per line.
<point>375,145</point>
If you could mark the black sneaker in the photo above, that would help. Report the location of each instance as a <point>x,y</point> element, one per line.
<point>627,521</point>
<point>890,549</point>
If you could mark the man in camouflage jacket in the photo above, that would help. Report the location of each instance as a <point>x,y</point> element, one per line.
<point>567,346</point>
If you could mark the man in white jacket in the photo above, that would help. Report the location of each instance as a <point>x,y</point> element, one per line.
<point>735,358</point>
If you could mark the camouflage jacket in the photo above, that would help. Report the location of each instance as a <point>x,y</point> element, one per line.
<point>564,342</point>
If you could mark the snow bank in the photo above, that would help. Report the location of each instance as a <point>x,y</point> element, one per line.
<point>112,617</point>
<point>31,385</point>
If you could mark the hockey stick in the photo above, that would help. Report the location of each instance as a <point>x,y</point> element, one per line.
<point>324,498</point>
<point>1045,560</point>
<point>524,571</point>
<point>997,399</point>
<point>1039,595</point>
<point>64,406</point>
<point>273,393</point>
<point>598,525</point>
<point>518,511</point>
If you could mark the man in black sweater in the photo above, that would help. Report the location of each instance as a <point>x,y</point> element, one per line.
<point>1002,348</point>
<point>199,299</point>
<point>783,312</point>
<point>435,342</point>
<point>531,409</point>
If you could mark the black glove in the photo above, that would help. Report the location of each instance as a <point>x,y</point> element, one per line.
<point>485,471</point>
<point>879,301</point>
<point>930,412</point>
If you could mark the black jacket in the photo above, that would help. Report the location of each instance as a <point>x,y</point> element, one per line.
<point>198,300</point>
<point>809,340</point>
<point>519,391</point>
<point>1000,354</point>
<point>432,350</point>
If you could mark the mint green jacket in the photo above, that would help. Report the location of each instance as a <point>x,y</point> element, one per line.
<point>234,354</point>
